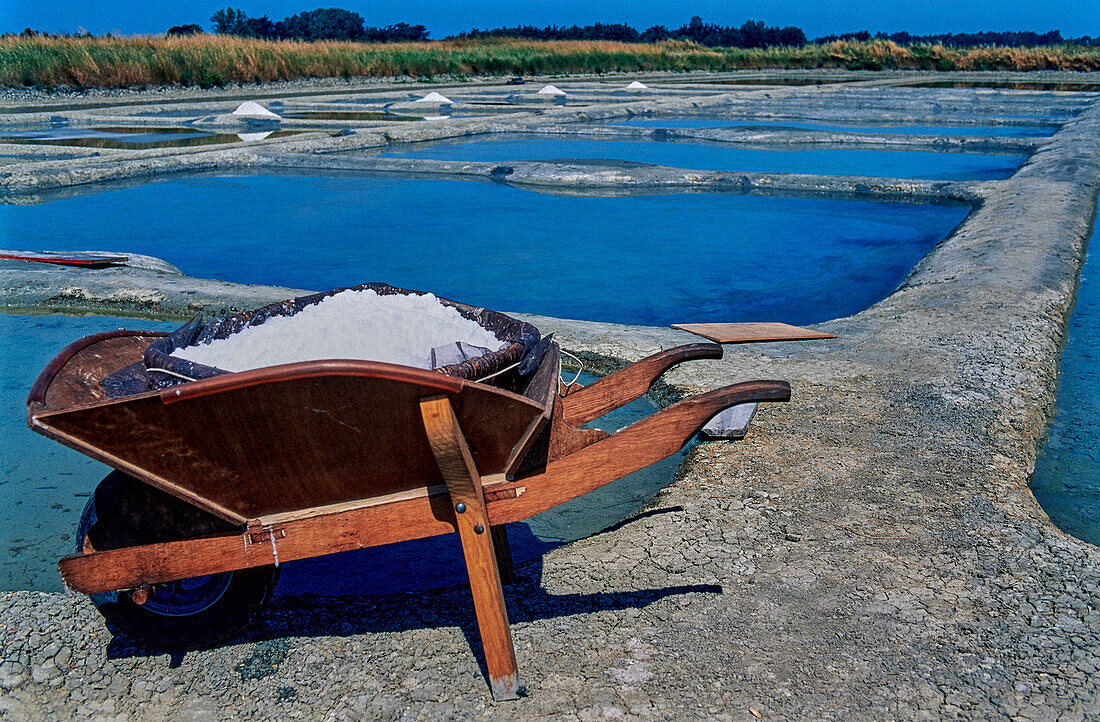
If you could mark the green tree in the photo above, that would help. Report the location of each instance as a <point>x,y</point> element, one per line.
<point>228,21</point>
<point>323,24</point>
<point>189,29</point>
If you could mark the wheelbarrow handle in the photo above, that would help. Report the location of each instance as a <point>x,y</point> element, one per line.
<point>644,442</point>
<point>625,385</point>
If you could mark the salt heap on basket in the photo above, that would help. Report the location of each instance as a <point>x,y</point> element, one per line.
<point>400,329</point>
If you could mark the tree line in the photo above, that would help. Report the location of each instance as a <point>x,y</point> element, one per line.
<point>320,24</point>
<point>340,24</point>
<point>1018,39</point>
<point>752,34</point>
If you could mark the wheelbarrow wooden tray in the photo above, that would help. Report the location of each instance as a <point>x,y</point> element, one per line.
<point>319,457</point>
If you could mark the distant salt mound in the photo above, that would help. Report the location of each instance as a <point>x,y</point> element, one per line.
<point>253,110</point>
<point>550,90</point>
<point>248,137</point>
<point>400,329</point>
<point>637,86</point>
<point>434,97</point>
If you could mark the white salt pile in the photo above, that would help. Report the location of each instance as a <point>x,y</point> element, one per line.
<point>433,97</point>
<point>254,110</point>
<point>550,90</point>
<point>248,137</point>
<point>400,329</point>
<point>637,86</point>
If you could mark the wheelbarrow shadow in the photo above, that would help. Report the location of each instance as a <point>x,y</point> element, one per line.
<point>413,585</point>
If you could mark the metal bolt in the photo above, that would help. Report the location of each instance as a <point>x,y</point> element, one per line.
<point>479,529</point>
<point>460,507</point>
<point>141,594</point>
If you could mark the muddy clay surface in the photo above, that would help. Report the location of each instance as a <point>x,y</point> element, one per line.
<point>871,550</point>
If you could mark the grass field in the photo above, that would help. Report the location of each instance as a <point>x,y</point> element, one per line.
<point>106,62</point>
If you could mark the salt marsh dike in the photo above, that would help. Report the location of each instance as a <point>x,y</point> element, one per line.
<point>870,551</point>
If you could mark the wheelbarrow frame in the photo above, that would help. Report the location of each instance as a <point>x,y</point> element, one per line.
<point>496,457</point>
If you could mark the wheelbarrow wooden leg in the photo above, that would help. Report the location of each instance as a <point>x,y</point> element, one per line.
<point>464,484</point>
<point>504,553</point>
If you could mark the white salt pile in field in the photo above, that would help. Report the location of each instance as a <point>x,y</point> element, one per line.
<point>433,97</point>
<point>397,329</point>
<point>550,90</point>
<point>254,110</point>
<point>637,86</point>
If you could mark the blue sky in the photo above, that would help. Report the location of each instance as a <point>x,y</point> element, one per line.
<point>444,17</point>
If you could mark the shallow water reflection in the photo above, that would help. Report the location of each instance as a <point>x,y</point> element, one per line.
<point>1067,473</point>
<point>347,115</point>
<point>43,485</point>
<point>1025,131</point>
<point>721,157</point>
<point>134,138</point>
<point>1007,85</point>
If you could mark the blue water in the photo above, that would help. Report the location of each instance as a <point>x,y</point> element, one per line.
<point>703,156</point>
<point>1067,474</point>
<point>44,486</point>
<point>641,260</point>
<point>1026,131</point>
<point>133,137</point>
<point>1007,85</point>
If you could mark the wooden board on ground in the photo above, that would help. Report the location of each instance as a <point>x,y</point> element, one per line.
<point>79,262</point>
<point>751,332</point>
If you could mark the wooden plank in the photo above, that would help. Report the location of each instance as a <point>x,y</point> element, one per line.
<point>124,465</point>
<point>542,389</point>
<point>556,440</point>
<point>131,567</point>
<point>309,369</point>
<point>464,484</point>
<point>72,377</point>
<point>752,332</point>
<point>565,438</point>
<point>503,548</point>
<point>329,531</point>
<point>287,438</point>
<point>620,388</point>
<point>85,262</point>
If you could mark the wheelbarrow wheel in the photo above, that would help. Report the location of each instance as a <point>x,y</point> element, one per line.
<point>184,614</point>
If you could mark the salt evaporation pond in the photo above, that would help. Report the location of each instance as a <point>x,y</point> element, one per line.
<point>133,138</point>
<point>1056,87</point>
<point>710,156</point>
<point>1019,131</point>
<point>44,486</point>
<point>1067,473</point>
<point>641,260</point>
<point>345,115</point>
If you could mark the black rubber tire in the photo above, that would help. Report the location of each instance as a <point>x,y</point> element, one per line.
<point>126,512</point>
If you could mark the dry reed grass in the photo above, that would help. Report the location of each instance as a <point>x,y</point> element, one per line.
<point>102,62</point>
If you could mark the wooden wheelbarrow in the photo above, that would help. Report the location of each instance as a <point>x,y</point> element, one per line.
<point>221,479</point>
